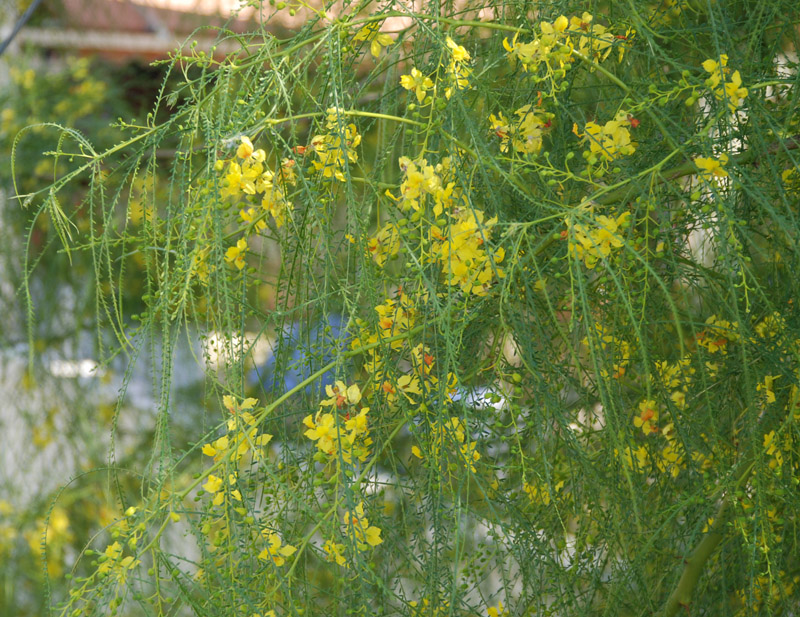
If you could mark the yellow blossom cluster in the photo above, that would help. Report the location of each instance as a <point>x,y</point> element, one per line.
<point>767,387</point>
<point>113,563</point>
<point>360,533</point>
<point>593,242</point>
<point>677,377</point>
<point>647,417</point>
<point>457,71</point>
<point>242,434</point>
<point>275,551</point>
<point>540,493</point>
<point>553,46</point>
<point>242,437</point>
<point>425,184</point>
<point>396,316</point>
<point>335,148</point>
<point>359,529</point>
<point>619,349</point>
<point>717,334</point>
<point>460,250</point>
<point>726,85</point>
<point>497,611</point>
<point>767,593</point>
<point>612,140</point>
<point>426,608</point>
<point>443,434</point>
<point>556,41</point>
<point>413,386</point>
<point>525,132</point>
<point>248,176</point>
<point>775,447</point>
<point>418,82</point>
<point>771,327</point>
<point>668,458</point>
<point>346,437</point>
<point>384,244</point>
<point>236,254</point>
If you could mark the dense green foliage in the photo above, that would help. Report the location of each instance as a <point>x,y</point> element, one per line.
<point>526,271</point>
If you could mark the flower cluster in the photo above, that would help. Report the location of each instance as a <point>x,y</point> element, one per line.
<point>360,533</point>
<point>460,250</point>
<point>335,148</point>
<point>647,417</point>
<point>593,242</point>
<point>247,175</point>
<point>457,74</point>
<point>425,184</point>
<point>414,386</point>
<point>444,434</point>
<point>540,494</point>
<point>525,132</point>
<point>610,141</point>
<point>677,377</point>
<point>717,334</point>
<point>242,438</point>
<point>554,45</point>
<point>457,71</point>
<point>335,436</point>
<point>618,350</point>
<point>112,563</point>
<point>668,458</point>
<point>418,82</point>
<point>726,85</point>
<point>384,244</point>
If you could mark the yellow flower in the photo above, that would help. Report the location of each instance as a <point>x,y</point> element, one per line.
<point>712,169</point>
<point>360,527</point>
<point>277,551</point>
<point>611,140</point>
<point>335,552</point>
<point>593,244</point>
<point>322,429</point>
<point>371,32</point>
<point>500,127</point>
<point>639,456</point>
<point>459,78</point>
<point>731,90</point>
<point>767,387</point>
<point>340,395</point>
<point>236,254</point>
<point>417,82</point>
<point>245,148</point>
<point>498,611</point>
<point>386,243</point>
<point>213,484</point>
<point>459,53</point>
<point>647,417</point>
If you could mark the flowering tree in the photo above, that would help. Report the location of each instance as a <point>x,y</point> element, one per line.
<point>559,242</point>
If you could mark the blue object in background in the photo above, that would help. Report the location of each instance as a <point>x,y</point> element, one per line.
<point>300,352</point>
